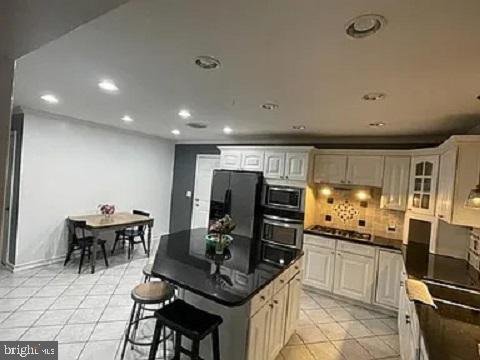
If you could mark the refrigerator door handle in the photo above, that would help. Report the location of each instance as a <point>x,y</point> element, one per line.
<point>228,201</point>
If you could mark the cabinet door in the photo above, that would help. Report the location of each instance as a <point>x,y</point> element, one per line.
<point>296,166</point>
<point>395,183</point>
<point>388,278</point>
<point>365,170</point>
<point>276,338</point>
<point>230,160</point>
<point>446,184</point>
<point>293,305</point>
<point>354,276</point>
<point>252,160</point>
<point>319,267</point>
<point>274,165</point>
<point>330,169</point>
<point>423,184</point>
<point>258,334</point>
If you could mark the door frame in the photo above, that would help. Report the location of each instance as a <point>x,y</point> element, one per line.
<point>199,157</point>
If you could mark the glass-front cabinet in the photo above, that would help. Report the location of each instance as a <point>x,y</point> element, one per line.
<point>423,184</point>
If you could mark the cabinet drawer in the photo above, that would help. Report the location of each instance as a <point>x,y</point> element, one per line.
<point>319,241</point>
<point>261,299</point>
<point>358,249</point>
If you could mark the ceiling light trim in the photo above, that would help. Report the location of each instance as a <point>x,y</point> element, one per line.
<point>365,25</point>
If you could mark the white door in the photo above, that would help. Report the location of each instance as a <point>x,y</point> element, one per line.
<point>319,267</point>
<point>330,169</point>
<point>423,184</point>
<point>203,187</point>
<point>258,334</point>
<point>252,160</point>
<point>396,177</point>
<point>446,184</point>
<point>296,165</point>
<point>365,170</point>
<point>277,323</point>
<point>354,276</point>
<point>274,165</point>
<point>388,279</point>
<point>293,305</point>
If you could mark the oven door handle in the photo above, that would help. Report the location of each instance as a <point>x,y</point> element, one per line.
<point>285,189</point>
<point>275,245</point>
<point>282,219</point>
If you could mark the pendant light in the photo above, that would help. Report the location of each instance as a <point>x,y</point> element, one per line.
<point>473,199</point>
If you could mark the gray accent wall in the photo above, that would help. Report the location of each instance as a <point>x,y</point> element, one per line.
<point>183,181</point>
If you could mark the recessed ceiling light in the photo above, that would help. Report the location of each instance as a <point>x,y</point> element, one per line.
<point>175,132</point>
<point>207,62</point>
<point>270,106</point>
<point>365,25</point>
<point>298,127</point>
<point>478,97</point>
<point>377,124</point>
<point>50,98</point>
<point>108,85</point>
<point>127,118</point>
<point>184,114</point>
<point>374,96</point>
<point>227,130</point>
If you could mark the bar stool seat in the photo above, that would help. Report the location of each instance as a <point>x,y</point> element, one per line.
<point>150,293</point>
<point>189,321</point>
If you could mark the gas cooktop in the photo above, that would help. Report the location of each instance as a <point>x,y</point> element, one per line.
<point>340,233</point>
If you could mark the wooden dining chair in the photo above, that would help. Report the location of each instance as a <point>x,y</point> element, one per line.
<point>130,234</point>
<point>78,240</point>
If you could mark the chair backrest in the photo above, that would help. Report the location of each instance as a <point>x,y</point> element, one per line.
<point>143,213</point>
<point>76,229</point>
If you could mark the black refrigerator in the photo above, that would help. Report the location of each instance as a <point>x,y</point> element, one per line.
<point>238,194</point>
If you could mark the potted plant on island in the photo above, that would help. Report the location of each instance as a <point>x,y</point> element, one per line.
<point>219,237</point>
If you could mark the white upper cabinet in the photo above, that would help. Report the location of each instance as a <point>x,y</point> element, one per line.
<point>230,160</point>
<point>252,160</point>
<point>446,184</point>
<point>355,169</point>
<point>330,169</point>
<point>296,166</point>
<point>459,172</point>
<point>423,184</point>
<point>395,183</point>
<point>274,165</point>
<point>365,170</point>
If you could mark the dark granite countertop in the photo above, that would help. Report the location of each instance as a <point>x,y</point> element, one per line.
<point>379,241</point>
<point>182,260</point>
<point>451,332</point>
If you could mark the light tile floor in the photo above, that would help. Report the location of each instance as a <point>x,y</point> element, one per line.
<point>87,315</point>
<point>333,329</point>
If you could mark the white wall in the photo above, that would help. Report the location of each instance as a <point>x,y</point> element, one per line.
<point>70,166</point>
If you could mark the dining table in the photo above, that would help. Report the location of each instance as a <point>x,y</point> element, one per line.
<point>99,223</point>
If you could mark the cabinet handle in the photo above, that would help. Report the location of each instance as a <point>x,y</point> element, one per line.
<point>275,302</point>
<point>333,252</point>
<point>440,216</point>
<point>298,279</point>
<point>296,267</point>
<point>342,181</point>
<point>271,305</point>
<point>262,298</point>
<point>282,281</point>
<point>407,319</point>
<point>286,177</point>
<point>339,254</point>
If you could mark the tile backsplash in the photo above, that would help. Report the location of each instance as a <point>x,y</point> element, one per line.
<point>341,209</point>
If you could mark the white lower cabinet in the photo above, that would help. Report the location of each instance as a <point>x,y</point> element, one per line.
<point>354,276</point>
<point>275,317</point>
<point>259,334</point>
<point>408,329</point>
<point>319,267</point>
<point>387,292</point>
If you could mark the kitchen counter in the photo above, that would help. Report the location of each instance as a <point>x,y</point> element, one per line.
<point>451,332</point>
<point>181,259</point>
<point>379,241</point>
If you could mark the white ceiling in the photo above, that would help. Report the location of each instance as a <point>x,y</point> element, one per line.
<point>294,53</point>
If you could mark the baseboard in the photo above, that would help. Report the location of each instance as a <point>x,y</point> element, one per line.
<point>37,263</point>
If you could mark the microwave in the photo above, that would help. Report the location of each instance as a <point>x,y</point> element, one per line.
<point>284,197</point>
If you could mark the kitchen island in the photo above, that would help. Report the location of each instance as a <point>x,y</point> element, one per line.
<point>258,302</point>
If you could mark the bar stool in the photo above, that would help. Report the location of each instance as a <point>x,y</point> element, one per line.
<point>189,321</point>
<point>147,272</point>
<point>150,293</point>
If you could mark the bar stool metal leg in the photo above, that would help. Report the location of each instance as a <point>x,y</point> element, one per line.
<point>127,332</point>
<point>178,345</point>
<point>215,344</point>
<point>156,338</point>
